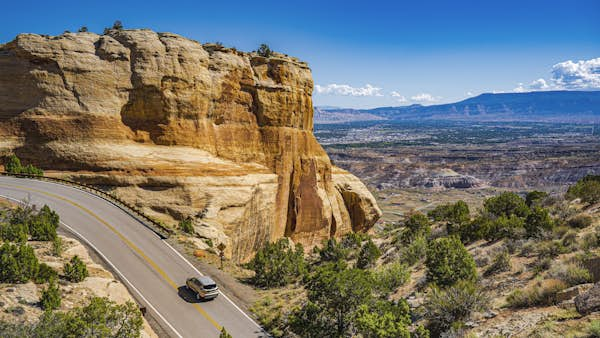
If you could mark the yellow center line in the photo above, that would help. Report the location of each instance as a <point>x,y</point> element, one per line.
<point>127,241</point>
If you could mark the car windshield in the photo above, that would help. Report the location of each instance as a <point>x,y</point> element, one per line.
<point>210,286</point>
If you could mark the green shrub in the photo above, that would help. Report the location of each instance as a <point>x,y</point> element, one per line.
<point>51,298</point>
<point>420,332</point>
<point>542,264</point>
<point>541,293</point>
<point>391,276</point>
<point>264,50</point>
<point>14,232</point>
<point>42,226</point>
<point>13,165</point>
<point>353,240</point>
<point>186,226</point>
<point>580,221</point>
<point>18,263</point>
<point>277,264</point>
<point>587,188</point>
<point>500,263</point>
<point>75,270</point>
<point>569,239</point>
<point>414,252</point>
<point>538,221</point>
<point>506,227</point>
<point>591,240</point>
<point>368,255</point>
<point>100,318</point>
<point>572,274</point>
<point>448,261</point>
<point>550,249</point>
<point>506,204</point>
<point>456,213</point>
<point>332,251</point>
<point>443,307</point>
<point>57,246</point>
<point>45,274</point>
<point>383,320</point>
<point>535,197</point>
<point>416,225</point>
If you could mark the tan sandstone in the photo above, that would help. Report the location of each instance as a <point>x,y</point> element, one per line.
<point>182,130</point>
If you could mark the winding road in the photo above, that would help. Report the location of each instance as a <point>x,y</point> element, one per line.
<point>153,271</point>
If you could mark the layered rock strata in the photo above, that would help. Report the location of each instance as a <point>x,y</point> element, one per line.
<point>182,130</point>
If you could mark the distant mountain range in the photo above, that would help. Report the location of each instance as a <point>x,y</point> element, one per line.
<point>551,106</point>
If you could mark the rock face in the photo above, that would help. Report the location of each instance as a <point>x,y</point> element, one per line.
<point>588,301</point>
<point>182,130</point>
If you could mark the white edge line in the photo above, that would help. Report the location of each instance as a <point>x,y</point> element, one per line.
<point>115,268</point>
<point>221,292</point>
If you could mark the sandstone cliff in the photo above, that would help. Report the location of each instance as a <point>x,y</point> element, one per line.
<point>182,130</point>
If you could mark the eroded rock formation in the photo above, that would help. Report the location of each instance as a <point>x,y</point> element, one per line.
<point>182,130</point>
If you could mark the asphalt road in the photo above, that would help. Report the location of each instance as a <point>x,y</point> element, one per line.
<point>151,269</point>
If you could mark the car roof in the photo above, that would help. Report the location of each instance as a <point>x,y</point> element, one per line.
<point>205,280</point>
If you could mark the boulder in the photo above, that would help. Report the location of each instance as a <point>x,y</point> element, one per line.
<point>588,301</point>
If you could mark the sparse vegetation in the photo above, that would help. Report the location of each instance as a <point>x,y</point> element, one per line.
<point>368,255</point>
<point>587,189</point>
<point>500,263</point>
<point>447,307</point>
<point>51,297</point>
<point>75,270</point>
<point>13,165</point>
<point>277,264</point>
<point>541,293</point>
<point>186,226</point>
<point>264,50</point>
<point>224,334</point>
<point>100,318</point>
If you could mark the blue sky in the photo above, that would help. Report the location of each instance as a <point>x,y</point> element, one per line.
<point>370,53</point>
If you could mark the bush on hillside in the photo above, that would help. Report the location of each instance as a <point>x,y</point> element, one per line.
<point>444,307</point>
<point>277,264</point>
<point>538,221</point>
<point>186,226</point>
<point>587,188</point>
<point>264,50</point>
<point>18,263</point>
<point>51,297</point>
<point>368,255</point>
<point>572,273</point>
<point>45,274</point>
<point>500,263</point>
<point>416,225</point>
<point>506,204</point>
<point>580,221</point>
<point>42,227</point>
<point>542,293</point>
<point>333,251</point>
<point>75,270</point>
<point>391,276</point>
<point>448,262</point>
<point>453,213</point>
<point>413,252</point>
<point>535,197</point>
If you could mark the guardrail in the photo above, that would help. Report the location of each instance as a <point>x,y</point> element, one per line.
<point>160,229</point>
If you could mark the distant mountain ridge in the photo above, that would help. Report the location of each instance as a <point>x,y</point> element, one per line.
<point>555,106</point>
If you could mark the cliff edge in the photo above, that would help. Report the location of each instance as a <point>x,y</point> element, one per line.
<point>181,130</point>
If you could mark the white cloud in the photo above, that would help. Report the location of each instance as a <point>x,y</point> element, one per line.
<point>399,97</point>
<point>519,89</point>
<point>539,84</point>
<point>583,74</point>
<point>347,90</point>
<point>424,97</point>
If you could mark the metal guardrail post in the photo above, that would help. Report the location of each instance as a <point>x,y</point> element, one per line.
<point>133,211</point>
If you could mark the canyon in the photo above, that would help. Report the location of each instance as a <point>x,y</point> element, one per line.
<point>181,130</point>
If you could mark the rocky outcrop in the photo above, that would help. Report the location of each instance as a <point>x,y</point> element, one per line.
<point>182,130</point>
<point>588,301</point>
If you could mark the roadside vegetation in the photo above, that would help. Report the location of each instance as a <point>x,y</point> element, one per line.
<point>20,229</point>
<point>437,274</point>
<point>13,165</point>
